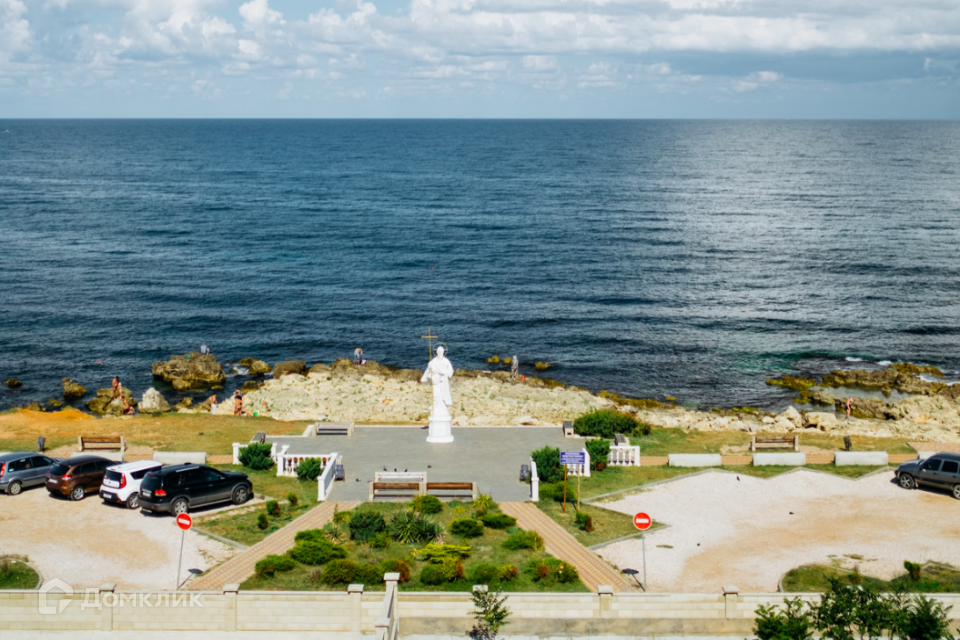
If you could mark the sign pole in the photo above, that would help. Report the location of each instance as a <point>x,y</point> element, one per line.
<point>643,543</point>
<point>580,475</point>
<point>643,521</point>
<point>183,532</point>
<point>564,488</point>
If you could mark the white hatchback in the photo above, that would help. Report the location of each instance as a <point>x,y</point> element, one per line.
<point>121,482</point>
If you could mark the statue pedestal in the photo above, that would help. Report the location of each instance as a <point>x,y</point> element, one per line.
<point>440,431</point>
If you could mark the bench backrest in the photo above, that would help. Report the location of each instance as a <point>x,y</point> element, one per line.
<point>395,485</point>
<point>97,442</point>
<point>450,486</point>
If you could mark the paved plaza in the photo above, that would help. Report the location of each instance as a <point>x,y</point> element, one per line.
<point>489,456</point>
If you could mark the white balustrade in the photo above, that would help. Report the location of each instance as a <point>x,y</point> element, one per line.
<point>624,456</point>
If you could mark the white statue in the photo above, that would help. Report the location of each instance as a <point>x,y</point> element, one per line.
<point>438,373</point>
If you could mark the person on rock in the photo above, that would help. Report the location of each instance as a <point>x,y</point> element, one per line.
<point>117,387</point>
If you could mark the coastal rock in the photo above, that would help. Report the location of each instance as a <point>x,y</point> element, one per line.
<point>190,371</point>
<point>290,366</point>
<point>792,416</point>
<point>184,406</point>
<point>319,369</point>
<point>250,385</point>
<point>13,383</point>
<point>153,402</point>
<point>54,403</point>
<point>34,406</point>
<point>821,420</point>
<point>106,404</point>
<point>258,368</point>
<point>73,390</point>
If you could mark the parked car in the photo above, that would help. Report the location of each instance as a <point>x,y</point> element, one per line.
<point>121,483</point>
<point>178,488</point>
<point>78,476</point>
<point>941,470</point>
<point>23,469</point>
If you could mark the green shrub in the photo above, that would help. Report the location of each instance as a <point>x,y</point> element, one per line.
<point>310,535</point>
<point>262,521</point>
<point>315,552</point>
<point>256,456</point>
<point>599,450</point>
<point>273,509</point>
<point>566,573</point>
<point>292,499</point>
<point>436,553</point>
<point>335,533</point>
<point>548,464</point>
<point>498,521</point>
<point>272,564</point>
<point>484,504</point>
<point>913,569</point>
<point>340,572</point>
<point>393,565</point>
<point>584,521</point>
<point>604,423</point>
<point>790,623</point>
<point>340,517</point>
<point>409,526</point>
<point>380,541</point>
<point>430,505</point>
<point>507,572</point>
<point>466,528</point>
<point>551,571</point>
<point>309,469</point>
<point>483,573</point>
<point>432,575</point>
<point>364,525</point>
<point>368,574</point>
<point>554,491</point>
<point>923,619</point>
<point>524,540</point>
<point>447,571</point>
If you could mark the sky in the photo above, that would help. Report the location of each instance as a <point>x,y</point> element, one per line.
<point>897,59</point>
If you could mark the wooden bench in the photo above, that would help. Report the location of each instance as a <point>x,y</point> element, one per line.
<point>395,489</point>
<point>453,489</point>
<point>775,442</point>
<point>620,440</point>
<point>259,436</point>
<point>102,443</point>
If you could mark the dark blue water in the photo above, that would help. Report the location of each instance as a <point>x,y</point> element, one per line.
<point>686,258</point>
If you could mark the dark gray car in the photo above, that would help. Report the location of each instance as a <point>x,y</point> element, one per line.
<point>23,469</point>
<point>941,470</point>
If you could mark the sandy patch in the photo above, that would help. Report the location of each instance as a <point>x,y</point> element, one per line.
<point>749,532</point>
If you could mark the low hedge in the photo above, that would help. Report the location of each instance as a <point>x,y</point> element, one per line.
<point>498,521</point>
<point>466,528</point>
<point>315,552</point>
<point>273,564</point>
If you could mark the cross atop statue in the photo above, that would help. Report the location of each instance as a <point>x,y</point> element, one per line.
<point>429,338</point>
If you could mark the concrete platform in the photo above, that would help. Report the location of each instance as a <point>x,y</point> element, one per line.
<point>695,459</point>
<point>489,456</point>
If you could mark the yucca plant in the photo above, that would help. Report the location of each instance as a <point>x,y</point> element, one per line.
<point>408,526</point>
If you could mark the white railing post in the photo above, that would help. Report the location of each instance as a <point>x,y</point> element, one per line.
<point>236,453</point>
<point>281,458</point>
<point>326,477</point>
<point>534,482</point>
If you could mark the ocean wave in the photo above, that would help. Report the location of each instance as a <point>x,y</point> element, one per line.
<point>852,359</point>
<point>884,363</point>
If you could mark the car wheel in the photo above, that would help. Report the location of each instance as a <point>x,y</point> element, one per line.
<point>907,481</point>
<point>78,493</point>
<point>240,495</point>
<point>956,491</point>
<point>133,502</point>
<point>15,488</point>
<point>179,506</point>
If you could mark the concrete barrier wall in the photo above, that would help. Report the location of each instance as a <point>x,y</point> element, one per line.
<point>694,460</point>
<point>180,457</point>
<point>865,458</point>
<point>784,459</point>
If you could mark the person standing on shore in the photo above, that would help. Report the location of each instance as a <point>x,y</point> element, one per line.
<point>849,407</point>
<point>358,356</point>
<point>204,349</point>
<point>237,403</point>
<point>116,387</point>
<point>213,404</point>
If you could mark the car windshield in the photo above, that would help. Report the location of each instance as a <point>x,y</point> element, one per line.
<point>59,469</point>
<point>113,475</point>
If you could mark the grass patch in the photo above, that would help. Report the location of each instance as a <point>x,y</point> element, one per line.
<point>607,525</point>
<point>241,525</point>
<point>663,441</point>
<point>267,483</point>
<point>486,549</point>
<point>14,574</point>
<point>934,578</point>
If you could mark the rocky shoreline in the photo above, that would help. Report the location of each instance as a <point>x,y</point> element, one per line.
<point>889,402</point>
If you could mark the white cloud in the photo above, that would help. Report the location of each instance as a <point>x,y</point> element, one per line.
<point>257,12</point>
<point>540,63</point>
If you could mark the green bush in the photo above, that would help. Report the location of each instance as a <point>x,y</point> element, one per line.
<point>335,533</point>
<point>523,540</point>
<point>273,509</point>
<point>393,565</point>
<point>923,619</point>
<point>262,521</point>
<point>584,521</point>
<point>551,571</point>
<point>483,573</point>
<point>309,469</point>
<point>507,572</point>
<point>437,553</point>
<point>604,423</point>
<point>430,505</point>
<point>548,464</point>
<point>316,552</point>
<point>364,525</point>
<point>256,456</point>
<point>432,574</point>
<point>791,623</point>
<point>340,572</point>
<point>599,450</point>
<point>273,564</point>
<point>368,574</point>
<point>449,570</point>
<point>483,504</point>
<point>292,499</point>
<point>310,535</point>
<point>466,528</point>
<point>554,491</point>
<point>380,541</point>
<point>498,521</point>
<point>410,526</point>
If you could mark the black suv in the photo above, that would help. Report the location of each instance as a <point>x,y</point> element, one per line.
<point>941,470</point>
<point>178,488</point>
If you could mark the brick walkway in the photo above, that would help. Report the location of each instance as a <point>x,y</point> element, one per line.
<point>240,567</point>
<point>593,570</point>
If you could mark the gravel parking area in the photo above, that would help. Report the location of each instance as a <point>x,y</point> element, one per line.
<point>88,543</point>
<point>726,529</point>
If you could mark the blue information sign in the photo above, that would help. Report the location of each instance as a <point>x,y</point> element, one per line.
<point>573,457</point>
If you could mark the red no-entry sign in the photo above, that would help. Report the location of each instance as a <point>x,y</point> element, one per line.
<point>642,521</point>
<point>184,521</point>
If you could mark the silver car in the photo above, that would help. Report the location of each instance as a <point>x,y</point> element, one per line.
<point>23,469</point>
<point>941,470</point>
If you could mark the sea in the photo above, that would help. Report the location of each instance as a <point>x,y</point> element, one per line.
<point>692,259</point>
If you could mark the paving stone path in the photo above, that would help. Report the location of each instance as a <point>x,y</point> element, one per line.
<point>593,570</point>
<point>240,567</point>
